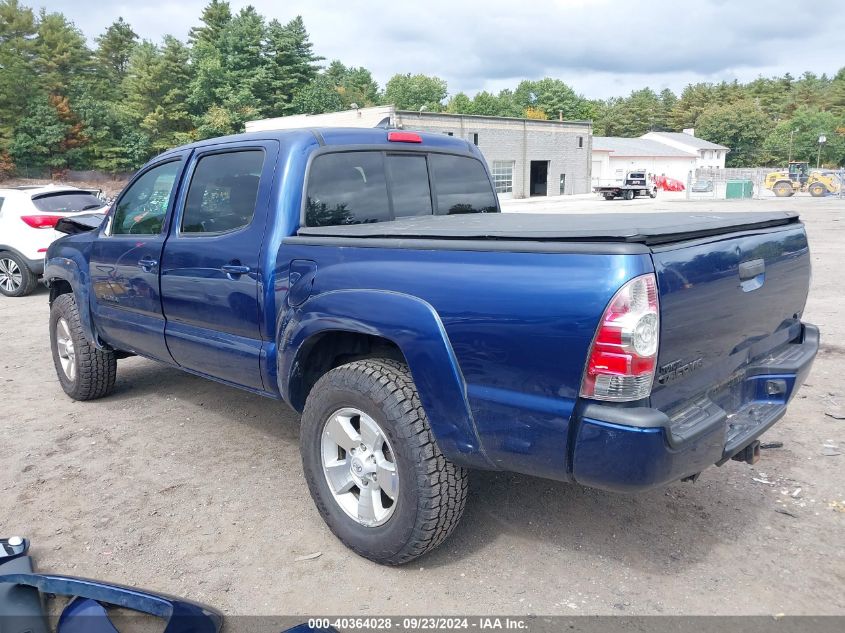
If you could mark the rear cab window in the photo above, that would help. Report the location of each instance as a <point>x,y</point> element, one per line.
<point>358,187</point>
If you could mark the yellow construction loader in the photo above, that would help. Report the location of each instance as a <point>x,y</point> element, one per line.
<point>798,177</point>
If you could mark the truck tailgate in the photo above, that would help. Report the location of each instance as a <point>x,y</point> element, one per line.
<point>726,303</point>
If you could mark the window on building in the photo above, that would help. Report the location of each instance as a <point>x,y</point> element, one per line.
<point>580,142</point>
<point>223,191</point>
<point>475,138</point>
<point>462,185</point>
<point>562,184</point>
<point>502,171</point>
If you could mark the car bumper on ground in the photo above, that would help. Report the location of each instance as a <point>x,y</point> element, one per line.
<point>631,449</point>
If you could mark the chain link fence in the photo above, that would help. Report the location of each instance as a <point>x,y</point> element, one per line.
<point>712,183</point>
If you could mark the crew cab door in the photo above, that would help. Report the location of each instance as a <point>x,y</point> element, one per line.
<point>125,260</point>
<point>210,275</point>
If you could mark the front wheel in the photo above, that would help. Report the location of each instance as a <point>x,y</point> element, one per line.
<point>85,372</point>
<point>652,193</point>
<point>373,468</point>
<point>817,190</point>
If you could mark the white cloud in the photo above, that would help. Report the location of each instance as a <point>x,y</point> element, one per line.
<point>601,47</point>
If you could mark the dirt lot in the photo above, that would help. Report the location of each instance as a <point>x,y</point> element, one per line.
<point>182,485</point>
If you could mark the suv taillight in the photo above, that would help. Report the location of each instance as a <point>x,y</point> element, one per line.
<point>623,355</point>
<point>41,221</point>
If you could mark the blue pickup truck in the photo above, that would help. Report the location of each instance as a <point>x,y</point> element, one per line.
<point>368,279</point>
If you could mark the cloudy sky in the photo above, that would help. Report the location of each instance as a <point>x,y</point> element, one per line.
<point>602,48</point>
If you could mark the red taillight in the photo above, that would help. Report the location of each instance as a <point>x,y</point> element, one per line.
<point>624,353</point>
<point>41,221</point>
<point>404,137</point>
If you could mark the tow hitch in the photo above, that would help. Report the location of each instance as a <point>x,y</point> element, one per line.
<point>750,454</point>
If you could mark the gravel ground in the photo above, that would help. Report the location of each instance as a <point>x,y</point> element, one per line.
<point>181,485</point>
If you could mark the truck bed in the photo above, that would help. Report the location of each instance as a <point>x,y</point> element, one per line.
<point>638,228</point>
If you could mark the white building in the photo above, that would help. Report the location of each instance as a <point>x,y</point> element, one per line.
<point>672,154</point>
<point>614,156</point>
<point>707,154</point>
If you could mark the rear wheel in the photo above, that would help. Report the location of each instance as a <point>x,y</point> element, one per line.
<point>817,190</point>
<point>783,190</point>
<point>16,279</point>
<point>629,194</point>
<point>85,372</point>
<point>373,468</point>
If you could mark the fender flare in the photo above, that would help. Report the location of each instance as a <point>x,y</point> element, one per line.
<point>416,329</point>
<point>69,271</point>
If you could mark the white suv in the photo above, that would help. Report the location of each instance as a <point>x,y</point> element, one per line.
<point>28,216</point>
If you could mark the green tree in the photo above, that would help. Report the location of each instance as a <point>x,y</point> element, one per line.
<point>320,96</point>
<point>18,81</point>
<point>291,63</point>
<point>215,16</point>
<point>742,126</point>
<point>694,100</point>
<point>230,75</point>
<point>40,136</point>
<point>156,93</point>
<point>412,92</point>
<point>804,128</point>
<point>552,96</point>
<point>61,54</point>
<point>114,49</point>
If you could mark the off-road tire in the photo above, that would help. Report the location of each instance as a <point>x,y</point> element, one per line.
<point>432,491</point>
<point>96,369</point>
<point>783,190</point>
<point>817,190</point>
<point>29,280</point>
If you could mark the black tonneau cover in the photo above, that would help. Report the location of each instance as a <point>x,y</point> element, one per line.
<point>642,228</point>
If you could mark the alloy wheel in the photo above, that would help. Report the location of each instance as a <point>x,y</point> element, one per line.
<point>360,467</point>
<point>66,350</point>
<point>11,276</point>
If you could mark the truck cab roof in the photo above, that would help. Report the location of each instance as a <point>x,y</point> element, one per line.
<point>329,136</point>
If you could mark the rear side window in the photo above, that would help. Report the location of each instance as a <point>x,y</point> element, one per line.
<point>65,202</point>
<point>462,185</point>
<point>347,188</point>
<point>223,191</point>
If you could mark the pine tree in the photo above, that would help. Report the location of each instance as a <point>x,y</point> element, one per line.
<point>18,80</point>
<point>61,54</point>
<point>290,62</point>
<point>114,49</point>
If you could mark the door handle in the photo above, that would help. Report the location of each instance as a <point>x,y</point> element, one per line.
<point>235,270</point>
<point>751,269</point>
<point>147,264</point>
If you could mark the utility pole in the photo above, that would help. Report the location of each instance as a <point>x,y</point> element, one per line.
<point>822,141</point>
<point>791,134</point>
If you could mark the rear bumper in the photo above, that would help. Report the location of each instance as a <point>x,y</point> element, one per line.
<point>629,449</point>
<point>36,265</point>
